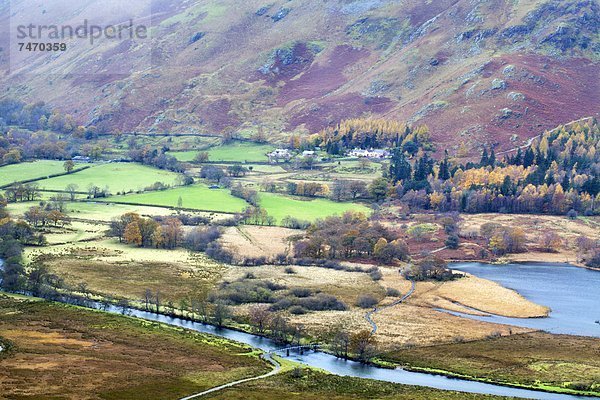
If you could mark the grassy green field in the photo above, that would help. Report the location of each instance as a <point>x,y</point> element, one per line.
<point>237,151</point>
<point>281,206</point>
<point>29,170</point>
<point>198,197</point>
<point>118,177</point>
<point>240,151</point>
<point>267,169</point>
<point>63,352</point>
<point>96,211</point>
<point>185,156</point>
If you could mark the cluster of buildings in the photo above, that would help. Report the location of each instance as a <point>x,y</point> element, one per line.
<point>286,154</point>
<point>373,153</point>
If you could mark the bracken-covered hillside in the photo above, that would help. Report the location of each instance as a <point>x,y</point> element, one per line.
<point>492,72</point>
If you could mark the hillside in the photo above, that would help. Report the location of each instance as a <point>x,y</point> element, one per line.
<point>478,72</point>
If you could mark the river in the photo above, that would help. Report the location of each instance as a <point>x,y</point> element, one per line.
<point>355,369</point>
<point>572,293</point>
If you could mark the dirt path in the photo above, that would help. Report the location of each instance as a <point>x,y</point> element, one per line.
<point>267,356</point>
<point>395,303</point>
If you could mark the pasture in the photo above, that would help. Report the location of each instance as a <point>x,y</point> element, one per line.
<point>30,170</point>
<point>102,211</point>
<point>234,152</point>
<point>281,206</point>
<point>197,197</point>
<point>185,156</point>
<point>240,152</point>
<point>118,177</point>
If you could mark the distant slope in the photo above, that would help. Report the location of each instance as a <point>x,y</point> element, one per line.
<point>494,72</point>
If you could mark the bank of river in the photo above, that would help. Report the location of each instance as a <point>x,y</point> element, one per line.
<point>571,293</point>
<point>341,367</point>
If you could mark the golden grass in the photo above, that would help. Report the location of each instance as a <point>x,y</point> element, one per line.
<point>346,286</point>
<point>319,324</point>
<point>484,295</point>
<point>76,232</point>
<point>412,323</point>
<point>258,241</point>
<point>114,269</point>
<point>408,324</point>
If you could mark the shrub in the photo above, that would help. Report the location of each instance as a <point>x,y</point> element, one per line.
<point>578,386</point>
<point>494,335</point>
<point>366,301</point>
<point>216,251</point>
<point>297,310</point>
<point>332,264</point>
<point>594,261</point>
<point>233,221</point>
<point>322,302</point>
<point>458,339</point>
<point>281,259</point>
<point>274,286</point>
<point>195,220</point>
<point>297,373</point>
<point>452,241</point>
<point>305,261</point>
<point>198,239</point>
<point>242,292</point>
<point>290,270</point>
<point>294,223</point>
<point>282,304</point>
<point>254,261</point>
<point>376,274</point>
<point>301,292</point>
<point>392,292</point>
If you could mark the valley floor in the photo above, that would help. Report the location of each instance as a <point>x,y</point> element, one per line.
<point>57,351</point>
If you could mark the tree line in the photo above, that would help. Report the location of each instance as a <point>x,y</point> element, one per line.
<point>559,173</point>
<point>373,133</point>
